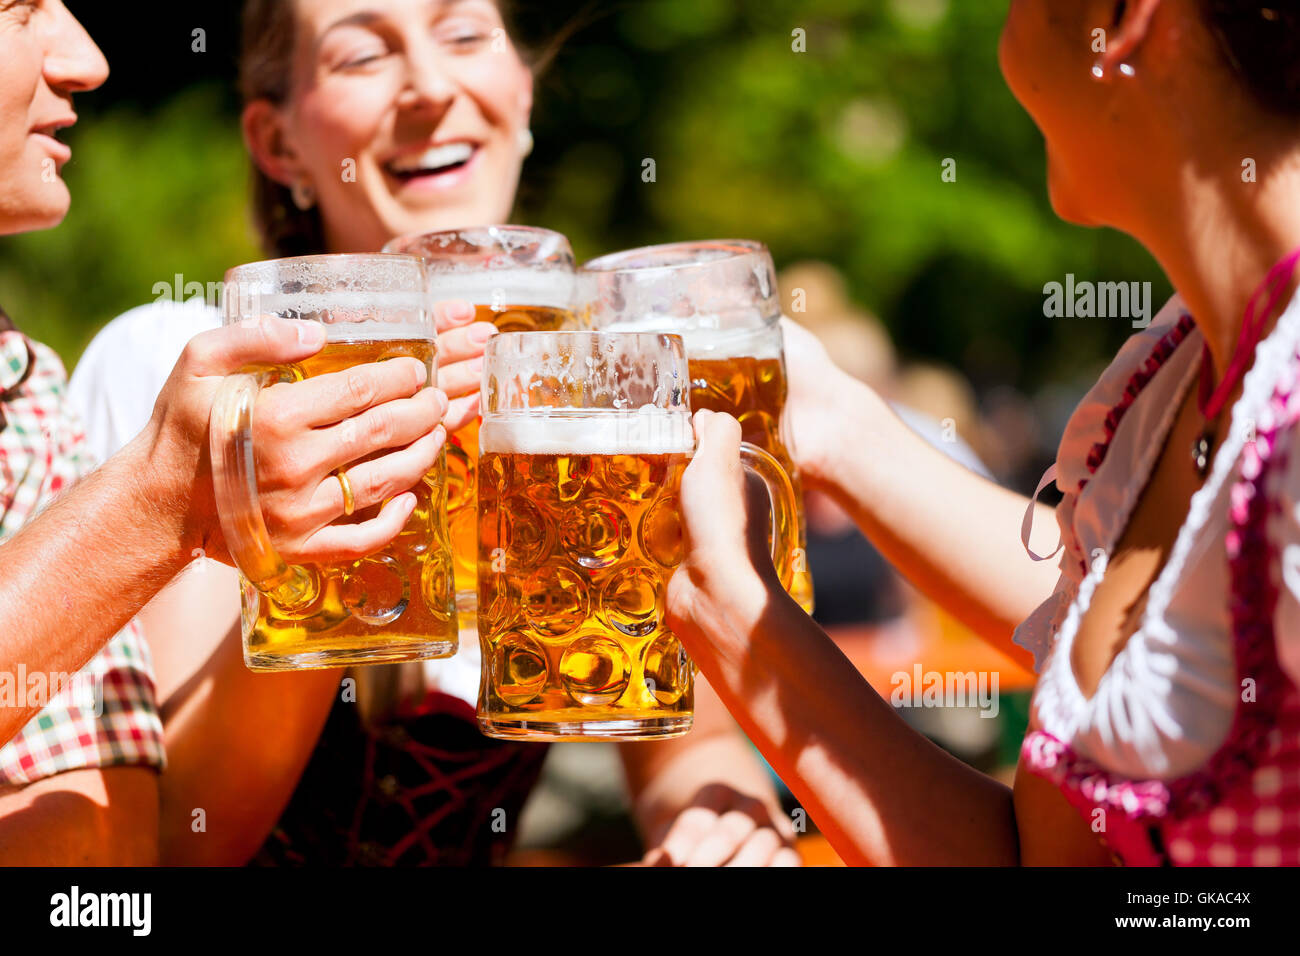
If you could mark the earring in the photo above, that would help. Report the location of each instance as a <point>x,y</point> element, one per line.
<point>526,142</point>
<point>304,196</point>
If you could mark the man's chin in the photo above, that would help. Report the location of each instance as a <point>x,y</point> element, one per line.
<point>25,214</point>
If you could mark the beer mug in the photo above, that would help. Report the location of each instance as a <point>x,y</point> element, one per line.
<point>397,604</point>
<point>722,298</point>
<point>584,440</point>
<point>520,279</point>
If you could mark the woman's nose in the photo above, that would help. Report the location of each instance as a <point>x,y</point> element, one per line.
<point>428,83</point>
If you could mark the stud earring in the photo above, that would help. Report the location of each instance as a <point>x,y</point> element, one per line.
<point>526,142</point>
<point>304,196</point>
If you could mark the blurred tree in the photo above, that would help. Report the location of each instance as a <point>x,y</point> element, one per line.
<point>834,153</point>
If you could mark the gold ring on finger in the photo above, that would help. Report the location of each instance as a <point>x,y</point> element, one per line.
<point>349,503</point>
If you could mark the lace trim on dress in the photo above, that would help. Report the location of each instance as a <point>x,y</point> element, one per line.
<point>1254,596</point>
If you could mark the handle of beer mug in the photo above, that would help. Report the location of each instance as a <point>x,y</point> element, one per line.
<point>784,533</point>
<point>239,506</point>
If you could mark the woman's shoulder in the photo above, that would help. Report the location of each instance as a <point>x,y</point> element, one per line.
<point>155,332</point>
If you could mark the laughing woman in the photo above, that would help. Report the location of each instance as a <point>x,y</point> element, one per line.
<point>294,773</point>
<point>1165,727</point>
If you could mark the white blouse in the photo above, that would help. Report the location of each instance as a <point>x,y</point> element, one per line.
<point>1166,703</point>
<point>116,384</point>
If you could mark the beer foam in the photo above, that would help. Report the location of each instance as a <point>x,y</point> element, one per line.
<point>250,299</point>
<point>379,332</point>
<point>500,288</point>
<point>705,340</point>
<point>649,431</point>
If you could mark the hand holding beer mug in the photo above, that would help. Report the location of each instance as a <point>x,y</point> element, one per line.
<point>721,298</point>
<point>584,440</point>
<point>520,279</point>
<point>393,604</point>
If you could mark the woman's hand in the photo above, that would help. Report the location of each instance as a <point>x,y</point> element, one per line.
<point>379,420</point>
<point>821,394</point>
<point>725,519</point>
<point>461,343</point>
<point>723,827</point>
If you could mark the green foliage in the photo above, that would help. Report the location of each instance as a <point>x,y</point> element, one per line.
<point>835,154</point>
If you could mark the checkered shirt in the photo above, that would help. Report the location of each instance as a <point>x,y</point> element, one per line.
<point>108,715</point>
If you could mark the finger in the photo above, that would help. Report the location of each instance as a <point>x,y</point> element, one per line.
<point>786,856</point>
<point>462,378</point>
<point>452,314</point>
<point>391,425</point>
<point>467,343</point>
<point>377,480</point>
<point>758,850</point>
<point>690,827</point>
<point>265,341</point>
<point>461,412</point>
<point>336,396</point>
<point>350,542</point>
<point>723,840</point>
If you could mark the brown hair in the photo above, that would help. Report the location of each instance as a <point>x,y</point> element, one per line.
<point>1261,42</point>
<point>265,73</point>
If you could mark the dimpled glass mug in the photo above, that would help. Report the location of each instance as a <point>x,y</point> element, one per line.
<point>584,440</point>
<point>520,279</point>
<point>397,604</point>
<point>721,297</point>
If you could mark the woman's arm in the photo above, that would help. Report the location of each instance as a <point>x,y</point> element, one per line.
<point>704,799</point>
<point>881,792</point>
<point>953,534</point>
<point>236,741</point>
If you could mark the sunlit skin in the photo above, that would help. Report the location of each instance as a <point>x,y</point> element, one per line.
<point>1154,147</point>
<point>377,82</point>
<point>45,58</point>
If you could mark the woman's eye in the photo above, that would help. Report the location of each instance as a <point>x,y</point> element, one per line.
<point>361,59</point>
<point>463,37</point>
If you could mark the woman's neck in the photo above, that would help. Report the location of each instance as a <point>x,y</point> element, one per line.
<point>1219,237</point>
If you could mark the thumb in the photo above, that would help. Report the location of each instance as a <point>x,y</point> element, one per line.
<point>264,341</point>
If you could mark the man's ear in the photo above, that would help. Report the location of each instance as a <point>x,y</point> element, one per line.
<point>264,135</point>
<point>1126,36</point>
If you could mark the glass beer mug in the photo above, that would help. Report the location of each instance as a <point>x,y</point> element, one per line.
<point>397,604</point>
<point>584,440</point>
<point>722,298</point>
<point>520,279</point>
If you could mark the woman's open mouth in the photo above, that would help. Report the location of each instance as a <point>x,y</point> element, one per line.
<point>438,167</point>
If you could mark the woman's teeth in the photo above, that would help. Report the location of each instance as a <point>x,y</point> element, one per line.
<point>436,160</point>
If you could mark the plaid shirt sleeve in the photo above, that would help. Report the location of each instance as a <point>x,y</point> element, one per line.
<point>107,714</point>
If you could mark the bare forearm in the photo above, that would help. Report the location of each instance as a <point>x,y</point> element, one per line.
<point>952,533</point>
<point>881,792</point>
<point>76,574</point>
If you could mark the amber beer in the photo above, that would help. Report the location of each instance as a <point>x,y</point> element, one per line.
<point>462,453</point>
<point>406,589</point>
<point>744,376</point>
<point>721,297</point>
<point>579,532</point>
<point>519,278</point>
